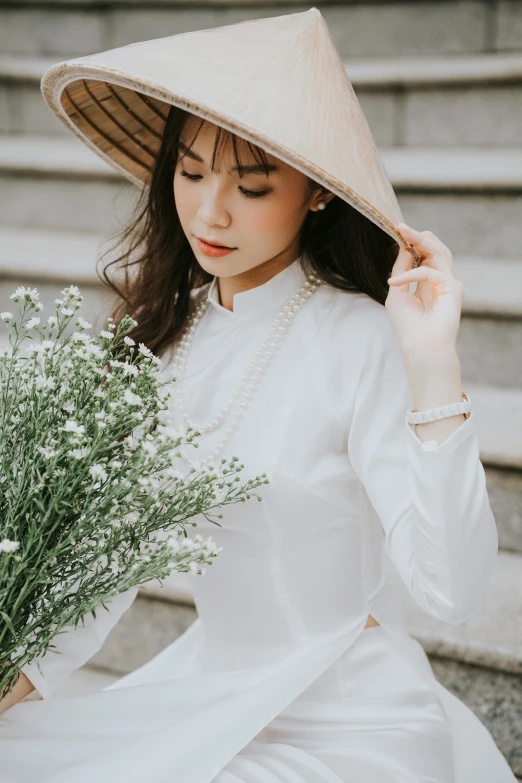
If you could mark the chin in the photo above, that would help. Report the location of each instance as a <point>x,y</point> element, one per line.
<point>217,266</point>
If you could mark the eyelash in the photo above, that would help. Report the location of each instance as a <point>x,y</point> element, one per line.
<point>246,193</point>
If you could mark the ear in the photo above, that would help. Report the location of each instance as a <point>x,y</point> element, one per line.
<point>321,195</point>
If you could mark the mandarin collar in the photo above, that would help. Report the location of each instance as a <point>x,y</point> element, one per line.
<point>262,298</point>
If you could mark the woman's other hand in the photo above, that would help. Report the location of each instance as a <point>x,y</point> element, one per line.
<point>23,688</point>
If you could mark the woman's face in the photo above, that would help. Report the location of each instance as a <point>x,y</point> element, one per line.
<point>259,216</point>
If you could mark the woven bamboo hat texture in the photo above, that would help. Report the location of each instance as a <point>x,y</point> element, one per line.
<point>277,82</point>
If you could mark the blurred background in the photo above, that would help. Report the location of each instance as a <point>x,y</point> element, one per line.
<point>440,84</point>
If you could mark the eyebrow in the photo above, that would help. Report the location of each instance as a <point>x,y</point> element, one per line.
<point>253,169</point>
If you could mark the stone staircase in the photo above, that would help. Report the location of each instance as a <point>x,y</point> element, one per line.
<point>440,83</point>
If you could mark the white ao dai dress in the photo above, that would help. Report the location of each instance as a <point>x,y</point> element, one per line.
<point>278,681</point>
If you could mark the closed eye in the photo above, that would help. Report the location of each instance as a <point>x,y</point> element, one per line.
<point>244,192</point>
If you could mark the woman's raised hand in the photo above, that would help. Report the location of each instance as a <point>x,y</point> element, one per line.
<point>426,322</point>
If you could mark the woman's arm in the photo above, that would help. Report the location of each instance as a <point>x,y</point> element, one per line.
<point>427,485</point>
<point>22,689</point>
<point>430,496</point>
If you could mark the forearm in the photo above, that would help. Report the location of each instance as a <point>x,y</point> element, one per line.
<point>435,380</point>
<point>22,689</point>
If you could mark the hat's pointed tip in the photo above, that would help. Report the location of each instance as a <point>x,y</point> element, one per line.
<point>314,11</point>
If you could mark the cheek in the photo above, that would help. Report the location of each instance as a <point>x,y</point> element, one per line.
<point>275,215</point>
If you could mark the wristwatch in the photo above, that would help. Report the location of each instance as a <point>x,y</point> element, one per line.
<point>453,409</point>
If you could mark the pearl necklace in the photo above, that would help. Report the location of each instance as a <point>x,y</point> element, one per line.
<point>252,376</point>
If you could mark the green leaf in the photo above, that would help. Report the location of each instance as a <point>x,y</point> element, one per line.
<point>8,622</point>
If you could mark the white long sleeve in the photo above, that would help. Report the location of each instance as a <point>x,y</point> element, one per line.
<point>431,498</point>
<point>75,646</point>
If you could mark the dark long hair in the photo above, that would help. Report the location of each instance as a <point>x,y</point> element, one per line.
<point>157,267</point>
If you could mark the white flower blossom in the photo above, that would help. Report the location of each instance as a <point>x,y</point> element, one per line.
<point>98,471</point>
<point>47,452</point>
<point>132,517</point>
<point>130,369</point>
<point>94,350</point>
<point>9,546</point>
<point>35,350</point>
<point>47,345</point>
<point>29,294</point>
<point>131,398</point>
<point>149,448</point>
<point>78,453</point>
<point>32,322</point>
<point>106,334</point>
<point>73,426</point>
<point>145,351</point>
<point>80,337</point>
<point>115,566</point>
<point>174,473</point>
<point>83,323</point>
<point>67,311</point>
<point>128,341</point>
<point>71,290</point>
<point>6,317</point>
<point>41,382</point>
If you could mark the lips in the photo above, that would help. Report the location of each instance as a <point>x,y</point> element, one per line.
<point>214,244</point>
<point>214,251</point>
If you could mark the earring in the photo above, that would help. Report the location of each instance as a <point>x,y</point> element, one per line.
<point>321,205</point>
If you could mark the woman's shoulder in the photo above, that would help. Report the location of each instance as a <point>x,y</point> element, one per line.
<point>354,312</point>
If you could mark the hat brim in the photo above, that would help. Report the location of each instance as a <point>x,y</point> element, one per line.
<point>123,122</point>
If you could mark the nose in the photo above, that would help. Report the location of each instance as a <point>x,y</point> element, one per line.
<point>212,209</point>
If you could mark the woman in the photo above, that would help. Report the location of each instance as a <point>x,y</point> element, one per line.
<point>263,290</point>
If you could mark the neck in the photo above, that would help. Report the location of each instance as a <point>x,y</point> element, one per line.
<point>229,286</point>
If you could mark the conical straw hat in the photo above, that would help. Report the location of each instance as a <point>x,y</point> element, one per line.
<point>277,82</point>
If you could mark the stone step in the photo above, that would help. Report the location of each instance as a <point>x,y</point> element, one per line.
<point>408,101</point>
<point>431,27</point>
<point>471,198</point>
<point>479,660</point>
<point>37,255</point>
<point>493,287</point>
<point>490,349</point>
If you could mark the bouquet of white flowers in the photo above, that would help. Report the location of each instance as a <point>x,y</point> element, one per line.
<point>91,500</point>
